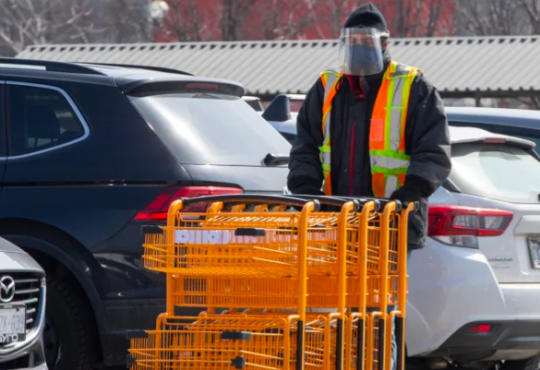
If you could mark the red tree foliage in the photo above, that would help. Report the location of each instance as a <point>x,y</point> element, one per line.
<point>228,20</point>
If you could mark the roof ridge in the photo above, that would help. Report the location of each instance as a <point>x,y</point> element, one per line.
<point>281,42</point>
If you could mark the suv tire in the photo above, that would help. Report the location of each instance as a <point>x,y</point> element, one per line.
<point>530,364</point>
<point>70,342</point>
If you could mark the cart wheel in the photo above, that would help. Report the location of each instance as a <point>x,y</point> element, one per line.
<point>69,338</point>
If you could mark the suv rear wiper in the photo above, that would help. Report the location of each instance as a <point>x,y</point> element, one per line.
<point>272,160</point>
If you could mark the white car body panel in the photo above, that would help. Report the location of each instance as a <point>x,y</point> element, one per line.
<point>451,287</point>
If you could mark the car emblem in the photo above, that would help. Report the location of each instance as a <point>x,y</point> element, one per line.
<point>7,289</point>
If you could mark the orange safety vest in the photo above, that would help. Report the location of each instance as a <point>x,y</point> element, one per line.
<point>389,163</point>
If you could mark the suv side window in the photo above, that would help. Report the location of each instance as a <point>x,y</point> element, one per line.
<point>41,119</point>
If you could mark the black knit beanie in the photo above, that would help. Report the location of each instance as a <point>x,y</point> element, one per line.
<point>367,15</point>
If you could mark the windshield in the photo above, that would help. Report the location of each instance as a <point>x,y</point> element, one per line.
<point>211,129</point>
<point>502,172</point>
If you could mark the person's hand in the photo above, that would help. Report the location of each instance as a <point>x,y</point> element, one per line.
<point>414,188</point>
<point>307,186</point>
<point>406,194</point>
<point>308,190</point>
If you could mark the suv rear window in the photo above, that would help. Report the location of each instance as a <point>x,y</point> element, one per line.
<point>211,129</point>
<point>501,172</point>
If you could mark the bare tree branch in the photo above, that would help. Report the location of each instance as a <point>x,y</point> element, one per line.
<point>500,17</point>
<point>233,14</point>
<point>533,11</point>
<point>435,9</point>
<point>30,22</point>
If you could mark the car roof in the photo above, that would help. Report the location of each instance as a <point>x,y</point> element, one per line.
<point>123,75</point>
<point>296,96</point>
<point>458,135</point>
<point>133,76</point>
<point>495,116</point>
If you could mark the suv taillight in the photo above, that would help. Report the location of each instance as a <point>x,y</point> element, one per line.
<point>158,208</point>
<point>461,226</point>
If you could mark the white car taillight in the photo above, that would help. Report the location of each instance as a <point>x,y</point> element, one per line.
<point>461,226</point>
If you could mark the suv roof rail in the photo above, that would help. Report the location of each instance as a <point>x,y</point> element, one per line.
<point>52,66</point>
<point>150,68</point>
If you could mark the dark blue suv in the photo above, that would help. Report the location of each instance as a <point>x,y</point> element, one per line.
<point>89,154</point>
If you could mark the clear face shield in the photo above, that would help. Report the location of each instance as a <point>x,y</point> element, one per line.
<point>360,51</point>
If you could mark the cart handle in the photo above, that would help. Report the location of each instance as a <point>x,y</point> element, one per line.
<point>334,200</point>
<point>380,203</point>
<point>251,199</point>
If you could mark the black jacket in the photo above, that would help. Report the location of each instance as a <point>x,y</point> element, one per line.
<point>427,142</point>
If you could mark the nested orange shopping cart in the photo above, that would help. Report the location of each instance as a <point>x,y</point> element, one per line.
<point>249,258</point>
<point>382,309</point>
<point>258,245</point>
<point>261,257</point>
<point>378,240</point>
<point>235,341</point>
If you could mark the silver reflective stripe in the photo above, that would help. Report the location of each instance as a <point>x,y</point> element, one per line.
<point>330,81</point>
<point>387,162</point>
<point>391,185</point>
<point>401,71</point>
<point>396,113</point>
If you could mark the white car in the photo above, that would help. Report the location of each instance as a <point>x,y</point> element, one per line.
<point>22,310</point>
<point>254,102</point>
<point>474,290</point>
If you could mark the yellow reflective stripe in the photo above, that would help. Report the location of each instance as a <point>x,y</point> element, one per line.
<point>391,163</point>
<point>331,72</point>
<point>387,171</point>
<point>330,81</point>
<point>325,148</point>
<point>323,78</point>
<point>396,114</point>
<point>402,72</point>
<point>324,75</point>
<point>388,115</point>
<point>405,99</point>
<point>390,154</point>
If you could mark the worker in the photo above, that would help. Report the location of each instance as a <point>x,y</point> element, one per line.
<point>374,127</point>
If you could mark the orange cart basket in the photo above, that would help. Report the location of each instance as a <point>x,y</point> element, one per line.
<point>234,341</point>
<point>259,243</point>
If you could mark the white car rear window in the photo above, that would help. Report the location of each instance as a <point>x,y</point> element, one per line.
<point>501,172</point>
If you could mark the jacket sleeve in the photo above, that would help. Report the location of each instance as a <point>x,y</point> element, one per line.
<point>305,175</point>
<point>429,139</point>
